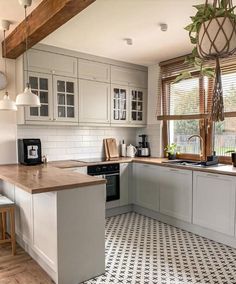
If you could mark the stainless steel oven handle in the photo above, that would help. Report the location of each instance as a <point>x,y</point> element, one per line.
<point>109,175</point>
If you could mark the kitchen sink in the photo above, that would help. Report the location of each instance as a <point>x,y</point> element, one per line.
<point>190,163</point>
<point>184,163</point>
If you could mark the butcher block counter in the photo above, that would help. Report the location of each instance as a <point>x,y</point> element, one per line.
<point>45,178</point>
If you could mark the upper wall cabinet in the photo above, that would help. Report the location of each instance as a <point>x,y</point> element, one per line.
<point>96,71</point>
<point>128,77</point>
<point>52,63</point>
<point>94,102</point>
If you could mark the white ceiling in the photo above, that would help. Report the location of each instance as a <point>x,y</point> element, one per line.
<point>12,11</point>
<point>101,28</point>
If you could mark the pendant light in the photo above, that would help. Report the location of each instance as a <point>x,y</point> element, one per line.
<point>6,103</point>
<point>27,98</point>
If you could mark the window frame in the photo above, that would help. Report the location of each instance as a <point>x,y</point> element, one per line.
<point>205,123</point>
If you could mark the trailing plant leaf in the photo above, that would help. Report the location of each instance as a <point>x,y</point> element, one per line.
<point>183,76</point>
<point>204,13</point>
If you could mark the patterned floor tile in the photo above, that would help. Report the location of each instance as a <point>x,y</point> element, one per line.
<point>103,279</point>
<point>141,250</point>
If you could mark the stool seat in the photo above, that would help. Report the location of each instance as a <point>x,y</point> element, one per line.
<point>5,202</point>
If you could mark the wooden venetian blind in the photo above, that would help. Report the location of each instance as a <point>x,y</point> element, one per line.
<point>183,100</point>
<point>192,98</point>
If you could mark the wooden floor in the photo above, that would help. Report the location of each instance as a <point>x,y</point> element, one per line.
<point>21,268</point>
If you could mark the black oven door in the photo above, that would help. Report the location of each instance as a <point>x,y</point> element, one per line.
<point>113,186</point>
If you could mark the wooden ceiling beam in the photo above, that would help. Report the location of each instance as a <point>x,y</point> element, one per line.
<point>48,16</point>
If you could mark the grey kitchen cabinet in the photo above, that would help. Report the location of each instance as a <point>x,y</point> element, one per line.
<point>120,103</point>
<point>214,202</point>
<point>124,183</point>
<point>128,77</point>
<point>41,85</point>
<point>58,97</point>
<point>52,63</point>
<point>128,105</point>
<point>95,71</point>
<point>94,102</point>
<point>176,193</point>
<point>146,186</point>
<point>65,99</point>
<point>137,106</point>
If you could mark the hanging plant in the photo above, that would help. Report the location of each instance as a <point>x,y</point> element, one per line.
<point>213,32</point>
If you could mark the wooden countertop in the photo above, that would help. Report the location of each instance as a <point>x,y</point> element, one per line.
<point>52,177</point>
<point>216,169</point>
<point>45,178</point>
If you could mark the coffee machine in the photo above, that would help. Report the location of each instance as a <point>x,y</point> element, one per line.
<point>143,148</point>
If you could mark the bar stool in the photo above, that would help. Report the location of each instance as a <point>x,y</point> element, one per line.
<point>7,207</point>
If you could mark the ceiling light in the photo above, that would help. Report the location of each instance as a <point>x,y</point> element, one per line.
<point>164,27</point>
<point>6,103</point>
<point>27,98</point>
<point>129,41</point>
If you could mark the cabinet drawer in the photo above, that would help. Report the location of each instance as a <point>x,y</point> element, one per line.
<point>127,76</point>
<point>51,63</point>
<point>94,71</point>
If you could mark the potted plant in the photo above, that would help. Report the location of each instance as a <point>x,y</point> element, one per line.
<point>233,156</point>
<point>213,34</point>
<point>170,150</point>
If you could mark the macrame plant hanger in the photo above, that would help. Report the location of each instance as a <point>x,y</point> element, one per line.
<point>220,44</point>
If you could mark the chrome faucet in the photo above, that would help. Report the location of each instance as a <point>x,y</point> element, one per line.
<point>201,144</point>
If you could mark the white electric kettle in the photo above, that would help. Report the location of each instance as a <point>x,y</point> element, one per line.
<point>131,151</point>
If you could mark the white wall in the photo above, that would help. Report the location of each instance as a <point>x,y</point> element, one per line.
<point>62,143</point>
<point>8,119</point>
<point>153,129</point>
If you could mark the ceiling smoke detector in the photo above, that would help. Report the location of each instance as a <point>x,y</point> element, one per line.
<point>164,27</point>
<point>128,41</point>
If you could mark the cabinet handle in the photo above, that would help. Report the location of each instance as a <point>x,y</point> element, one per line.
<point>174,170</point>
<point>213,175</point>
<point>53,71</point>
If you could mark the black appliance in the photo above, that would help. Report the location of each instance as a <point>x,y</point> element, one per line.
<point>143,148</point>
<point>29,151</point>
<point>111,172</point>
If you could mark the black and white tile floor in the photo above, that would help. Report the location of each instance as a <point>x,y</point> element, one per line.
<point>141,250</point>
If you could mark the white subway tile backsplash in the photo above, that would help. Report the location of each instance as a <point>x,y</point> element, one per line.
<point>64,143</point>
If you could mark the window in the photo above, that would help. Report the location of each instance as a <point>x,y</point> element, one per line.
<point>185,109</point>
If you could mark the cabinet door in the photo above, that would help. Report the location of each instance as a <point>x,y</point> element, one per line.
<point>128,77</point>
<point>65,99</point>
<point>94,102</point>
<point>137,106</point>
<point>41,85</point>
<point>94,71</point>
<point>119,104</point>
<point>124,184</point>
<point>146,191</point>
<point>214,202</point>
<point>176,193</point>
<point>52,63</point>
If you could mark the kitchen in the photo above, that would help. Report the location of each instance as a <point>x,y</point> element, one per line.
<point>135,217</point>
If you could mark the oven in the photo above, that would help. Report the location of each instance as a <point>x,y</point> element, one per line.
<point>111,172</point>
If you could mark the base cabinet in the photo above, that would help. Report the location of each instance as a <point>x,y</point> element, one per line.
<point>214,202</point>
<point>146,186</point>
<point>176,193</point>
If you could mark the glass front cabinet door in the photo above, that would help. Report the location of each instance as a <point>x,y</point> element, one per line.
<point>41,85</point>
<point>65,99</point>
<point>119,104</point>
<point>137,106</point>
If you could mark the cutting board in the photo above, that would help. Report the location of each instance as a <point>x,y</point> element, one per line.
<point>106,149</point>
<point>112,148</point>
